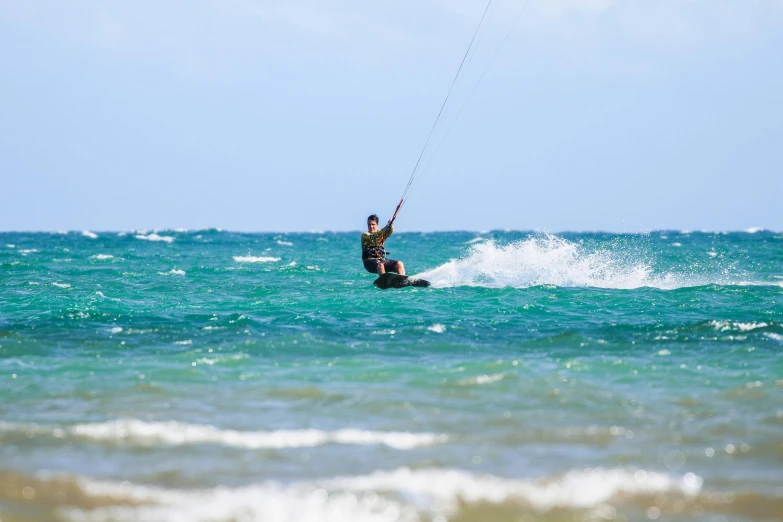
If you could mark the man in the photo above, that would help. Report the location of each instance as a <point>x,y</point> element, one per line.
<point>373,253</point>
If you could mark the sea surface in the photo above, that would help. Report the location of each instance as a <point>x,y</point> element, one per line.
<point>218,376</point>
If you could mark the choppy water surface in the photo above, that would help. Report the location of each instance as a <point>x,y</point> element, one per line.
<point>217,376</point>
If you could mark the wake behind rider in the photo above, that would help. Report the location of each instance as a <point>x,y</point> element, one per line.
<point>373,253</point>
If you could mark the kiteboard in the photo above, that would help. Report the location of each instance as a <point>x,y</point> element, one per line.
<point>389,280</point>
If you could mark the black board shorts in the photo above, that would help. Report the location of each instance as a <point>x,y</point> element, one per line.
<point>372,265</point>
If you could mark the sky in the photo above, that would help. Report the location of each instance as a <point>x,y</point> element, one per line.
<point>308,115</point>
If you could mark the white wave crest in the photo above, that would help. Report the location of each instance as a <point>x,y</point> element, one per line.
<point>488,379</point>
<point>141,433</point>
<point>254,259</point>
<point>155,237</point>
<point>402,494</point>
<point>173,271</point>
<point>724,326</point>
<point>102,257</point>
<point>575,489</point>
<point>547,260</point>
<point>91,235</point>
<point>271,501</point>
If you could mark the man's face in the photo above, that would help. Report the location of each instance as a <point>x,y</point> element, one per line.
<point>372,226</point>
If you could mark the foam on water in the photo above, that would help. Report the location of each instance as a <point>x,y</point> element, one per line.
<point>402,494</point>
<point>551,260</point>
<point>548,260</point>
<point>155,237</point>
<point>774,336</point>
<point>437,328</point>
<point>724,326</point>
<point>255,259</point>
<point>575,489</point>
<point>212,361</point>
<point>483,379</point>
<point>141,433</point>
<point>91,235</point>
<point>173,271</point>
<point>102,257</point>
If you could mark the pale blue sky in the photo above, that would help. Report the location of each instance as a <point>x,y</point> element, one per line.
<point>622,115</point>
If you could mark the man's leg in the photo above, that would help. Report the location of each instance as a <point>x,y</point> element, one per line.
<point>381,268</point>
<point>400,268</point>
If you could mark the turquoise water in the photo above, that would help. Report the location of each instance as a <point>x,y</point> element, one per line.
<point>219,376</point>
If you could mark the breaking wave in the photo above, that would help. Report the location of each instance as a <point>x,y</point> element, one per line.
<point>140,433</point>
<point>401,494</point>
<point>256,259</point>
<point>155,237</point>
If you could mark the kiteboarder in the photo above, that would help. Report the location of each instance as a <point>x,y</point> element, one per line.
<point>373,251</point>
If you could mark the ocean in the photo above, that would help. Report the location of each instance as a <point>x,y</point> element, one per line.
<point>210,375</point>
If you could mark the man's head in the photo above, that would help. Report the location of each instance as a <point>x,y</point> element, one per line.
<point>372,224</point>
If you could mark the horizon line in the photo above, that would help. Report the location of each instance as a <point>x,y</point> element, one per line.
<point>182,230</point>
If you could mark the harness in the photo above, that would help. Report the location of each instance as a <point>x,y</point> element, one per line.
<point>376,252</point>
